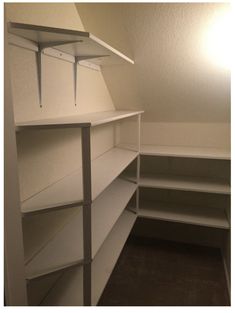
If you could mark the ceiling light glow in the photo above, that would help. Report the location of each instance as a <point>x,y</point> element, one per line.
<point>217,40</point>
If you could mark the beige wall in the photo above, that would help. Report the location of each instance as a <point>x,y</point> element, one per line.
<point>172,79</point>
<point>46,156</point>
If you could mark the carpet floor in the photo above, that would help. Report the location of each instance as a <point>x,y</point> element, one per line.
<point>152,272</point>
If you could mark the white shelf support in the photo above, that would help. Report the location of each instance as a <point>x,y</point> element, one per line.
<point>75,79</point>
<point>39,71</point>
<point>138,162</point>
<point>41,48</point>
<point>87,199</point>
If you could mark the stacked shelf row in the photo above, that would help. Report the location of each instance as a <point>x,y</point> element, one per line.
<point>43,256</point>
<point>69,190</point>
<point>184,184</point>
<point>66,231</point>
<point>53,221</point>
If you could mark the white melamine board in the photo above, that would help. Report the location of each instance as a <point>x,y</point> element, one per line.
<point>84,44</point>
<point>187,183</point>
<point>181,151</point>
<point>185,152</point>
<point>90,119</point>
<point>107,208</point>
<point>69,289</point>
<point>66,247</point>
<point>199,184</point>
<point>211,217</point>
<point>63,250</point>
<point>106,258</point>
<point>69,190</point>
<point>38,230</point>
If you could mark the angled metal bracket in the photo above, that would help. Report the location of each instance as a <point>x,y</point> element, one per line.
<point>41,47</point>
<point>77,60</point>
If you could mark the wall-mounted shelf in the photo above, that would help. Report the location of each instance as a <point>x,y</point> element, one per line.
<point>76,43</point>
<point>64,44</point>
<point>189,214</point>
<point>60,252</point>
<point>69,190</point>
<point>85,120</point>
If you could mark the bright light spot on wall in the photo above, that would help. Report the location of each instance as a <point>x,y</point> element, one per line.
<point>217,40</point>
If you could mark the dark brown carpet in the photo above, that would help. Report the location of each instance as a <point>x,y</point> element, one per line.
<point>162,273</point>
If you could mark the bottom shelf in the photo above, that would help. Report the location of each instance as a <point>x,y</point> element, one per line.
<point>195,215</point>
<point>68,289</point>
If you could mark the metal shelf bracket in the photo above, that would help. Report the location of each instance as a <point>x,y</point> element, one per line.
<point>41,48</point>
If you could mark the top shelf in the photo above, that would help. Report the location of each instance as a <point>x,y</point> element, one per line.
<point>79,44</point>
<point>84,120</point>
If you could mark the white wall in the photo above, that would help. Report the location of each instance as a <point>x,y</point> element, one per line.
<point>179,88</point>
<point>46,156</point>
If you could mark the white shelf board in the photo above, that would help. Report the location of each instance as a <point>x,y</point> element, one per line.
<point>186,152</point>
<point>61,251</point>
<point>84,44</point>
<point>181,151</point>
<point>187,183</point>
<point>39,229</point>
<point>189,214</point>
<point>83,120</point>
<point>69,289</point>
<point>108,255</point>
<point>107,209</point>
<point>69,190</point>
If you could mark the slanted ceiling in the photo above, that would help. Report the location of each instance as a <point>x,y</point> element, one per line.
<point>171,80</point>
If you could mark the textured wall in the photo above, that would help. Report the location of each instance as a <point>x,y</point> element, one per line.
<point>172,79</point>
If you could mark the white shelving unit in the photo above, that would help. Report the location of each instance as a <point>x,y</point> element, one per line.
<point>60,252</point>
<point>202,215</point>
<point>69,190</point>
<point>86,208</point>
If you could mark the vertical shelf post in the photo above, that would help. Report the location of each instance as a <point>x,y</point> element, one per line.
<point>75,79</point>
<point>39,71</point>
<point>87,199</point>
<point>138,163</point>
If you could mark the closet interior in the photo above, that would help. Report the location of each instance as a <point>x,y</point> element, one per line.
<point>85,171</point>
